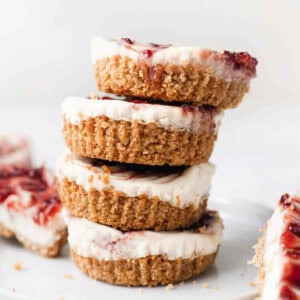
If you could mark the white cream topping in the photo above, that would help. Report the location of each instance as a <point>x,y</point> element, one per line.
<point>178,189</point>
<point>273,259</point>
<point>175,55</point>
<point>22,224</point>
<point>21,221</point>
<point>77,109</point>
<point>89,239</point>
<point>20,153</point>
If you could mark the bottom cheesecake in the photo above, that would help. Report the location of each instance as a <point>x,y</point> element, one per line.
<point>30,209</point>
<point>278,253</point>
<point>144,258</point>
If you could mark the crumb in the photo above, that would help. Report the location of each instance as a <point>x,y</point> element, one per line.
<point>252,284</point>
<point>69,156</point>
<point>105,178</point>
<point>140,291</point>
<point>90,178</point>
<point>80,115</point>
<point>13,290</point>
<point>181,283</point>
<point>61,298</point>
<point>242,274</point>
<point>194,282</point>
<point>18,266</point>
<point>205,285</point>
<point>202,229</point>
<point>93,96</point>
<point>177,203</point>
<point>216,288</point>
<point>68,276</point>
<point>170,287</point>
<point>106,169</point>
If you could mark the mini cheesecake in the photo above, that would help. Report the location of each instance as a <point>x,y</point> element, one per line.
<point>14,149</point>
<point>139,132</point>
<point>144,258</point>
<point>278,253</point>
<point>133,197</point>
<point>30,209</point>
<point>170,73</point>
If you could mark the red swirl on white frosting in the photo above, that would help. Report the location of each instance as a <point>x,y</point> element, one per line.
<point>238,60</point>
<point>24,188</point>
<point>290,246</point>
<point>225,64</point>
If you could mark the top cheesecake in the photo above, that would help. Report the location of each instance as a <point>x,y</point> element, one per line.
<point>172,73</point>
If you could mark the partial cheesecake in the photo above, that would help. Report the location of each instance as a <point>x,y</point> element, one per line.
<point>133,197</point>
<point>278,253</point>
<point>134,131</point>
<point>14,149</point>
<point>30,209</point>
<point>170,73</point>
<point>144,258</point>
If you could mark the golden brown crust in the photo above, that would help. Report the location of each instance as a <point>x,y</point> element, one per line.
<point>116,209</point>
<point>147,271</point>
<point>5,232</point>
<point>133,142</point>
<point>258,261</point>
<point>187,83</point>
<point>50,251</point>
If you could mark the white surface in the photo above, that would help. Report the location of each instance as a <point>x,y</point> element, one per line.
<point>44,278</point>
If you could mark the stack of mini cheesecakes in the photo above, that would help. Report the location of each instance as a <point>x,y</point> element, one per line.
<point>136,178</point>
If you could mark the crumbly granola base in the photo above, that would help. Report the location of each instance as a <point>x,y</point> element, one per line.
<point>187,83</point>
<point>147,271</point>
<point>50,251</point>
<point>134,142</point>
<point>116,209</point>
<point>258,261</point>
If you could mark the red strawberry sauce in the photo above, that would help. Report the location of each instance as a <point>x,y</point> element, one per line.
<point>290,245</point>
<point>14,181</point>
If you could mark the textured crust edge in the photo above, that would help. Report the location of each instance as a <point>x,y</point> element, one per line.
<point>258,261</point>
<point>147,271</point>
<point>133,142</point>
<point>50,251</point>
<point>116,209</point>
<point>187,83</point>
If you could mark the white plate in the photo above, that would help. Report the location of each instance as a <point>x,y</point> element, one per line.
<point>231,278</point>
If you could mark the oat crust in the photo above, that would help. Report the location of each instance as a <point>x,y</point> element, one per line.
<point>188,83</point>
<point>147,271</point>
<point>116,209</point>
<point>134,142</point>
<point>50,251</point>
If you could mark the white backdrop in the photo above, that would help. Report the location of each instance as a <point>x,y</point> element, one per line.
<point>45,56</point>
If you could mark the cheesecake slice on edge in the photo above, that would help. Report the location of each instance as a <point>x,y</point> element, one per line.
<point>278,252</point>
